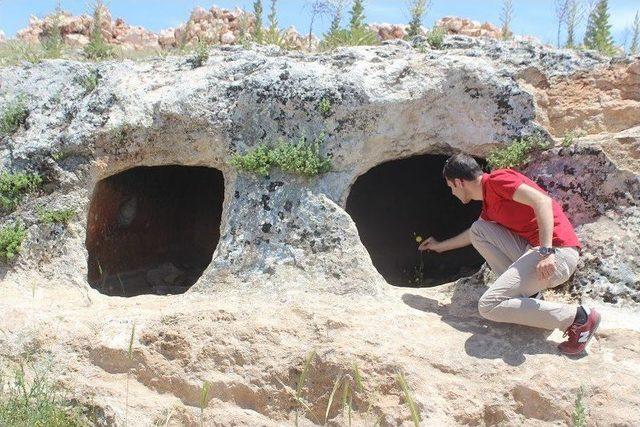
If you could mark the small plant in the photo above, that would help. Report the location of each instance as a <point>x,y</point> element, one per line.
<point>15,51</point>
<point>415,415</point>
<point>11,238</point>
<point>435,37</point>
<point>13,188</point>
<point>200,54</point>
<point>53,44</point>
<point>302,158</point>
<point>417,9</point>
<point>360,36</point>
<point>579,415</point>
<point>506,17</point>
<point>301,380</point>
<point>98,48</point>
<point>517,153</point>
<point>35,403</point>
<point>257,11</point>
<point>61,216</point>
<point>325,107</point>
<point>13,116</point>
<point>569,137</point>
<point>90,81</point>
<point>418,271</point>
<point>204,397</point>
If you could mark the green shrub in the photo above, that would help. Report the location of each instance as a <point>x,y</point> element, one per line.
<point>11,238</point>
<point>14,115</point>
<point>435,37</point>
<point>90,81</point>
<point>301,158</point>
<point>579,415</point>
<point>417,9</point>
<point>53,44</point>
<point>200,55</point>
<point>35,403</point>
<point>61,216</point>
<point>324,107</point>
<point>517,153</point>
<point>98,49</point>
<point>360,36</point>
<point>13,188</point>
<point>569,137</point>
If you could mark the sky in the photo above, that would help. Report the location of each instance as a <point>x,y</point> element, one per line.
<point>531,17</point>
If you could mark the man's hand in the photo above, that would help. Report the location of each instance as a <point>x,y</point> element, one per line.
<point>546,267</point>
<point>430,244</point>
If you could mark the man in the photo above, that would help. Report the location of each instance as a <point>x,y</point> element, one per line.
<point>528,242</point>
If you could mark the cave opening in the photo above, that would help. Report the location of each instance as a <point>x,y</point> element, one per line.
<point>153,230</point>
<point>397,201</point>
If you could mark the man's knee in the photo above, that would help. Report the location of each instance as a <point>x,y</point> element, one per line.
<point>485,305</point>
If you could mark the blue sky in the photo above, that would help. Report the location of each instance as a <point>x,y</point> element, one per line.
<point>532,17</point>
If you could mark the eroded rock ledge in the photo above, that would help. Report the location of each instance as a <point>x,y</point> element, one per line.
<point>289,272</point>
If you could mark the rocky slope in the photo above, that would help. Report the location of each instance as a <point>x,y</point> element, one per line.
<point>290,273</point>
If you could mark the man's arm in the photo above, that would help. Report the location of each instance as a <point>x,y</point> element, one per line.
<point>543,208</point>
<point>461,240</point>
<point>541,204</point>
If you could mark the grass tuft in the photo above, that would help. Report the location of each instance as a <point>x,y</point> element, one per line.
<point>11,238</point>
<point>13,116</point>
<point>60,216</point>
<point>14,187</point>
<point>35,403</point>
<point>579,415</point>
<point>359,36</point>
<point>435,37</point>
<point>301,158</point>
<point>200,55</point>
<point>518,152</point>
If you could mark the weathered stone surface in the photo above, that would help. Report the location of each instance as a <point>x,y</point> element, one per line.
<point>290,274</point>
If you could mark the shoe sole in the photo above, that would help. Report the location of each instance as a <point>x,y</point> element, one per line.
<point>595,328</point>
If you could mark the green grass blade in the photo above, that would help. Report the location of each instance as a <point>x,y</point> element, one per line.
<point>304,373</point>
<point>130,350</point>
<point>415,415</point>
<point>358,378</point>
<point>331,396</point>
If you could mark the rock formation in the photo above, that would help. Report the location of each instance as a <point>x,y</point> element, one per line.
<point>292,271</point>
<point>214,26</point>
<point>468,27</point>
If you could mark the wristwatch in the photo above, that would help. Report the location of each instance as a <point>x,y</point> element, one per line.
<point>546,251</point>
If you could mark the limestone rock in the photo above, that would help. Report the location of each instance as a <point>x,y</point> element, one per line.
<point>289,271</point>
<point>468,27</point>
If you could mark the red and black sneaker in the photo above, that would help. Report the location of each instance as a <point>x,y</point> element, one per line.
<point>580,334</point>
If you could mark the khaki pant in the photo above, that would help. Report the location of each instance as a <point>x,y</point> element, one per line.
<point>514,262</point>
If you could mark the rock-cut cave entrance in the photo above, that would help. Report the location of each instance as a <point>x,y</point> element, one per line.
<point>397,201</point>
<point>153,230</point>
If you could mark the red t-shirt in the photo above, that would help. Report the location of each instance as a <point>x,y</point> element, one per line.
<point>498,206</point>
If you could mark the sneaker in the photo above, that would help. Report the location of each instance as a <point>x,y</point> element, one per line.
<point>579,335</point>
<point>538,296</point>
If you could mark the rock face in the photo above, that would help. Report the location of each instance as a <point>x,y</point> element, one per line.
<point>290,273</point>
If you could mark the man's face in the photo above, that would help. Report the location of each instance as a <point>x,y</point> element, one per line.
<point>458,189</point>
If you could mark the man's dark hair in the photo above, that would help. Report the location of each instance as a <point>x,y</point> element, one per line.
<point>461,166</point>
